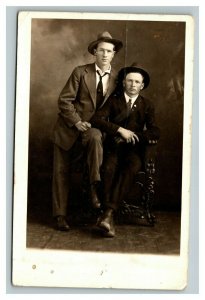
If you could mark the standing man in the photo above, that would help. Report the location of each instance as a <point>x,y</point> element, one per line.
<point>86,90</point>
<point>129,114</point>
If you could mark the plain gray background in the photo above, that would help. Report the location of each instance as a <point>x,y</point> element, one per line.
<point>11,69</point>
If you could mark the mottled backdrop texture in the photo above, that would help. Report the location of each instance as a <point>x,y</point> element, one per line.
<point>57,46</point>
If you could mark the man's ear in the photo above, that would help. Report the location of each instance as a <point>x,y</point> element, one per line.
<point>142,86</point>
<point>95,51</point>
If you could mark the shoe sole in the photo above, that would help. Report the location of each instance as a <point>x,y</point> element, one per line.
<point>63,228</point>
<point>109,234</point>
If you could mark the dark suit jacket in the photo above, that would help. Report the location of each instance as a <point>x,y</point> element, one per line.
<point>77,101</point>
<point>141,119</point>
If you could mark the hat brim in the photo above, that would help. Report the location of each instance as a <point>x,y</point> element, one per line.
<point>117,43</point>
<point>123,72</point>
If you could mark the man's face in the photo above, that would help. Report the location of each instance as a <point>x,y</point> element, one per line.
<point>133,83</point>
<point>104,54</point>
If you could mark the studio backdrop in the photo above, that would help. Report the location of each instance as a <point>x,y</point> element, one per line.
<point>59,45</point>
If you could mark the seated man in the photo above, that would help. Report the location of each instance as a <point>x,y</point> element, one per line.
<point>86,90</point>
<point>131,124</point>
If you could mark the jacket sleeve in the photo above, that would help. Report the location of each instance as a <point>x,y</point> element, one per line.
<point>101,118</point>
<point>68,96</point>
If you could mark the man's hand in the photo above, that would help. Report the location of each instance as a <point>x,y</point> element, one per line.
<point>82,126</point>
<point>128,135</point>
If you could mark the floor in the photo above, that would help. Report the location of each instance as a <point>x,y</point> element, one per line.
<point>162,238</point>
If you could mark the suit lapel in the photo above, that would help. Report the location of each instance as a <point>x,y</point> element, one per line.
<point>137,104</point>
<point>122,113</point>
<point>112,84</point>
<point>137,113</point>
<point>90,81</point>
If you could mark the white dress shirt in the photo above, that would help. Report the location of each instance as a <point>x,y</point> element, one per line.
<point>127,98</point>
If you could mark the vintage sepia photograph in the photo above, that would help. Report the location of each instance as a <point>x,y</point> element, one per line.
<point>102,150</point>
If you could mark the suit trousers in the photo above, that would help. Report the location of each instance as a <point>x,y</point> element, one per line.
<point>92,143</point>
<point>119,172</point>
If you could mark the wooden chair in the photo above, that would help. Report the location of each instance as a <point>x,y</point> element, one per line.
<point>139,209</point>
<point>136,209</point>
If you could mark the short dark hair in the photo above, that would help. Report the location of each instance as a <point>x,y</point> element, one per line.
<point>104,42</point>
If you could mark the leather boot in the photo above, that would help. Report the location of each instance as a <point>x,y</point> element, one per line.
<point>106,223</point>
<point>61,223</point>
<point>94,196</point>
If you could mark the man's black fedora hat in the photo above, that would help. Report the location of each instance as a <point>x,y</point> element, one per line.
<point>105,37</point>
<point>134,68</point>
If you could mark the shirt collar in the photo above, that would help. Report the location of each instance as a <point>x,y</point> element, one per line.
<point>127,98</point>
<point>98,69</point>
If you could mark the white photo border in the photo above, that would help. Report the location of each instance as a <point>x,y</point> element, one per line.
<point>161,272</point>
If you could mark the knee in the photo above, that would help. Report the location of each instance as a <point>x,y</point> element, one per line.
<point>94,136</point>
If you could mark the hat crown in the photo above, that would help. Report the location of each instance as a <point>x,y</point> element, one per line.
<point>104,35</point>
<point>135,65</point>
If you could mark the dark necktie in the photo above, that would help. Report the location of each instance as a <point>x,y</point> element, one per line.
<point>100,97</point>
<point>129,106</point>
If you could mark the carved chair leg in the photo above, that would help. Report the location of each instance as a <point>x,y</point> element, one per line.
<point>149,198</point>
<point>149,191</point>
